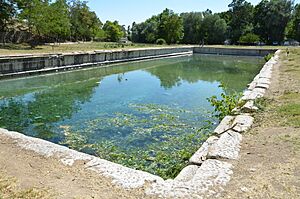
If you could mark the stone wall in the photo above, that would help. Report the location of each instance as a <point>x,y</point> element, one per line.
<point>24,64</point>
<point>234,51</point>
<point>31,64</point>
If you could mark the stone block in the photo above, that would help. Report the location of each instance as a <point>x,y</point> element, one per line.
<point>228,146</point>
<point>187,173</point>
<point>249,107</point>
<point>242,123</point>
<point>224,125</point>
<point>201,155</point>
<point>262,85</point>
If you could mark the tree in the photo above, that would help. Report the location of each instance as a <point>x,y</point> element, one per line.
<point>294,29</point>
<point>7,11</point>
<point>85,24</point>
<point>170,27</point>
<point>271,19</point>
<point>191,27</point>
<point>213,29</point>
<point>114,32</point>
<point>241,19</point>
<point>167,26</point>
<point>34,14</point>
<point>57,21</point>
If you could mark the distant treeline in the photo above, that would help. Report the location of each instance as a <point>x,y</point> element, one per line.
<point>270,22</point>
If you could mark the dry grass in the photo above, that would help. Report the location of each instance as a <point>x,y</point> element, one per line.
<point>13,49</point>
<point>9,190</point>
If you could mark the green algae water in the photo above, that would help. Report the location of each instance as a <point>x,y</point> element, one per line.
<point>150,115</point>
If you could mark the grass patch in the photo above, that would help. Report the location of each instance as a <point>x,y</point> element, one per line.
<point>11,49</point>
<point>290,114</point>
<point>262,103</point>
<point>9,190</point>
<point>289,111</point>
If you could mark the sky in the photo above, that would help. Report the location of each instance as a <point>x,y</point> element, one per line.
<point>128,11</point>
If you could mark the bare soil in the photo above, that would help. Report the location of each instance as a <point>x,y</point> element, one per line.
<point>270,155</point>
<point>51,178</point>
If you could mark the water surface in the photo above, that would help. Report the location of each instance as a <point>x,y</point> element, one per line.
<point>126,110</point>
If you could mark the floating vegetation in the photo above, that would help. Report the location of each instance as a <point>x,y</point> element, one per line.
<point>157,139</point>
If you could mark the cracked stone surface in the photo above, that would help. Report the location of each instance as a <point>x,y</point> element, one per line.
<point>224,125</point>
<point>249,107</point>
<point>187,173</point>
<point>207,180</point>
<point>227,147</point>
<point>242,123</point>
<point>201,155</point>
<point>263,81</point>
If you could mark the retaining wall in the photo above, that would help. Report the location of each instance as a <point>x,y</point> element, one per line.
<point>234,51</point>
<point>30,64</point>
<point>18,65</point>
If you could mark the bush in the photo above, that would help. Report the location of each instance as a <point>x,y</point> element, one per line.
<point>249,38</point>
<point>268,57</point>
<point>161,41</point>
<point>226,104</point>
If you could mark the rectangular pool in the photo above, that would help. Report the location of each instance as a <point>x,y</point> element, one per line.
<point>149,115</point>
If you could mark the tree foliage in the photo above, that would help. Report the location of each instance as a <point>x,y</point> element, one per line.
<point>113,31</point>
<point>294,28</point>
<point>271,19</point>
<point>241,19</point>
<point>7,10</point>
<point>167,26</point>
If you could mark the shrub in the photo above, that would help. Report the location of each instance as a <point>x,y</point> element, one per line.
<point>268,57</point>
<point>160,41</point>
<point>249,38</point>
<point>224,106</point>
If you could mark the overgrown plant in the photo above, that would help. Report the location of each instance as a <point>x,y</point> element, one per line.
<point>159,140</point>
<point>268,57</point>
<point>226,104</point>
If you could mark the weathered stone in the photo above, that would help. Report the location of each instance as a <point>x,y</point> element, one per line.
<point>263,86</point>
<point>252,85</point>
<point>246,95</point>
<point>187,173</point>
<point>214,171</point>
<point>201,155</point>
<point>255,94</point>
<point>266,74</point>
<point>249,107</point>
<point>207,181</point>
<point>228,146</point>
<point>242,123</point>
<point>263,81</point>
<point>224,125</point>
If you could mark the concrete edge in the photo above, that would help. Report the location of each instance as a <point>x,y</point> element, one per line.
<point>92,64</point>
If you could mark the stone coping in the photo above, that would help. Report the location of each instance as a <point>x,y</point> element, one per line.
<point>90,52</point>
<point>210,167</point>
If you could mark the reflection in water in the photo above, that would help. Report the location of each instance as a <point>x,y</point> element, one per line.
<point>88,94</point>
<point>132,113</point>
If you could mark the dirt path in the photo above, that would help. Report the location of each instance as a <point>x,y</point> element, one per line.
<point>270,155</point>
<point>50,178</point>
